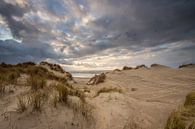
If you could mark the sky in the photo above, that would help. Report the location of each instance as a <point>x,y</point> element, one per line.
<point>98,34</point>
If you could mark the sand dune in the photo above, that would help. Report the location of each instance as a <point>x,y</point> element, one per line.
<point>129,99</point>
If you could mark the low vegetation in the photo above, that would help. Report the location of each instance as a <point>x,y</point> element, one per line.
<point>107,90</point>
<point>141,66</point>
<point>184,117</point>
<point>64,91</point>
<point>36,101</point>
<point>97,79</point>
<point>186,65</point>
<point>2,87</point>
<point>127,68</point>
<point>36,82</point>
<point>22,104</point>
<point>54,67</point>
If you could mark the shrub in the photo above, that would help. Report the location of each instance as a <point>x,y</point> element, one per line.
<point>127,68</point>
<point>186,65</point>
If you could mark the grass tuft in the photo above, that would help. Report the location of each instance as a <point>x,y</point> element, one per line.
<point>36,82</point>
<point>2,87</point>
<point>107,90</point>
<point>190,99</point>
<point>21,104</point>
<point>62,93</point>
<point>184,116</point>
<point>175,121</point>
<point>36,100</point>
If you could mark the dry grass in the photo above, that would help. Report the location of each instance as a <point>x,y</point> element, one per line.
<point>62,93</point>
<point>184,117</point>
<point>36,100</point>
<point>2,87</point>
<point>107,90</point>
<point>175,121</point>
<point>36,82</point>
<point>97,79</point>
<point>22,105</point>
<point>190,99</point>
<point>192,125</point>
<point>66,90</point>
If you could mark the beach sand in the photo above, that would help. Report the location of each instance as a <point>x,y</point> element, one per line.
<point>141,99</point>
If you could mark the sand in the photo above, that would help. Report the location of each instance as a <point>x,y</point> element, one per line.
<point>148,97</point>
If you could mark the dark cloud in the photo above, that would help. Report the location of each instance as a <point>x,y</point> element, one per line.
<point>14,52</point>
<point>148,23</point>
<point>72,29</point>
<point>9,11</point>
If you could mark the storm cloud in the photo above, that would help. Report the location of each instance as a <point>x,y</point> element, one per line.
<point>98,33</point>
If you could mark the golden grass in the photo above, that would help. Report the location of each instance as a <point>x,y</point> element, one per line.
<point>67,90</point>
<point>184,117</point>
<point>107,90</point>
<point>190,99</point>
<point>36,100</point>
<point>36,82</point>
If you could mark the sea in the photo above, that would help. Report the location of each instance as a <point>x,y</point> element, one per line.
<point>86,74</point>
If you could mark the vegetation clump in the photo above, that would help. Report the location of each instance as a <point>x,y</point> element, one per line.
<point>127,68</point>
<point>36,82</point>
<point>2,87</point>
<point>107,90</point>
<point>97,79</point>
<point>64,91</point>
<point>22,106</point>
<point>184,117</point>
<point>186,65</point>
<point>141,66</point>
<point>54,67</point>
<point>190,99</point>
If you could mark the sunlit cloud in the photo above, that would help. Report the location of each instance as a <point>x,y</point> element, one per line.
<point>98,34</point>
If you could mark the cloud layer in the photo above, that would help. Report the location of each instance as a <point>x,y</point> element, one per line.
<point>98,34</point>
